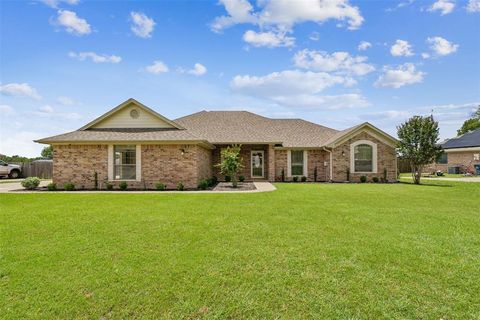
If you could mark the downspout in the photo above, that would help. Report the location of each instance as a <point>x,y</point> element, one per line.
<point>330,164</point>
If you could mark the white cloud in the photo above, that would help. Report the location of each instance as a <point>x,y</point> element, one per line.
<point>46,109</point>
<point>441,46</point>
<point>96,58</point>
<point>289,81</point>
<point>331,102</point>
<point>6,110</point>
<point>473,6</point>
<point>364,45</point>
<point>341,62</point>
<point>54,3</point>
<point>19,89</point>
<point>314,36</point>
<point>268,39</point>
<point>21,143</point>
<point>403,75</point>
<point>299,89</point>
<point>425,55</point>
<point>401,48</point>
<point>142,25</point>
<point>72,23</point>
<point>66,101</point>
<point>284,14</point>
<point>157,67</point>
<point>198,70</point>
<point>444,6</point>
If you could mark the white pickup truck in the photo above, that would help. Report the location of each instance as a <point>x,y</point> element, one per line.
<point>9,170</point>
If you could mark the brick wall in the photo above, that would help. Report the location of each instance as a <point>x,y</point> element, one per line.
<point>463,159</point>
<point>78,163</point>
<point>386,159</point>
<point>315,158</point>
<point>160,163</point>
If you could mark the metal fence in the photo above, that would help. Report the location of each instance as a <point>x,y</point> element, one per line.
<point>41,169</point>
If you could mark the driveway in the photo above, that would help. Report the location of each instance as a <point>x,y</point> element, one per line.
<point>6,186</point>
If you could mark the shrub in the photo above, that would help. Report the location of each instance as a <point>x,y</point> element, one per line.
<point>348,174</point>
<point>123,185</point>
<point>160,186</point>
<point>180,186</point>
<point>69,186</point>
<point>241,178</point>
<point>228,178</point>
<point>31,183</point>
<point>363,179</point>
<point>52,187</point>
<point>385,174</point>
<point>203,184</point>
<point>108,186</point>
<point>315,174</point>
<point>304,178</point>
<point>283,175</point>
<point>295,179</point>
<point>375,179</point>
<point>212,181</point>
<point>231,163</point>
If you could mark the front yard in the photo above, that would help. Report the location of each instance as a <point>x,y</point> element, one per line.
<point>304,251</point>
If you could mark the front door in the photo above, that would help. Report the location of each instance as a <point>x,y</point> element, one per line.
<point>257,164</point>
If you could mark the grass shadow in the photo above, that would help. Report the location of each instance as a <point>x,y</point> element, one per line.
<point>426,184</point>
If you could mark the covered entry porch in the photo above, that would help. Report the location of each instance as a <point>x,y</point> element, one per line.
<point>258,161</point>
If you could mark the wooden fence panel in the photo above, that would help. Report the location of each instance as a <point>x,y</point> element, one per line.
<point>40,169</point>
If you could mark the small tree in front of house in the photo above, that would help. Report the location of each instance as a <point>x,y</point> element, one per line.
<point>231,163</point>
<point>418,138</point>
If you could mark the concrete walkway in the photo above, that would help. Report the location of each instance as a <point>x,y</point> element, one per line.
<point>466,179</point>
<point>16,187</point>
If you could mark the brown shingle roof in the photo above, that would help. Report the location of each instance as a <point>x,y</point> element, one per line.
<point>246,127</point>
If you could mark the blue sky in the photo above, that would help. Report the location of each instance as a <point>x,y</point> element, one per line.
<point>336,63</point>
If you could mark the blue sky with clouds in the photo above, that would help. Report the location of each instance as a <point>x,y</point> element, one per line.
<point>336,62</point>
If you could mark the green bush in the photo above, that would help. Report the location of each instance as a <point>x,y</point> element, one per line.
<point>123,185</point>
<point>241,178</point>
<point>363,179</point>
<point>295,179</point>
<point>69,186</point>
<point>203,184</point>
<point>31,183</point>
<point>283,175</point>
<point>160,186</point>
<point>180,186</point>
<point>375,179</point>
<point>228,178</point>
<point>52,187</point>
<point>108,186</point>
<point>95,180</point>
<point>304,178</point>
<point>212,181</point>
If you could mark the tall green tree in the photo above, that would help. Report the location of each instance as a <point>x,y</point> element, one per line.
<point>47,152</point>
<point>231,163</point>
<point>418,143</point>
<point>471,124</point>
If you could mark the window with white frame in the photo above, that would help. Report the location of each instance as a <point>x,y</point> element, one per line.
<point>297,163</point>
<point>363,156</point>
<point>124,165</point>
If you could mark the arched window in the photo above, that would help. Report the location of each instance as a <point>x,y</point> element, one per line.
<point>363,156</point>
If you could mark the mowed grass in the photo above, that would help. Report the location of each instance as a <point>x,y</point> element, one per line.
<point>349,251</point>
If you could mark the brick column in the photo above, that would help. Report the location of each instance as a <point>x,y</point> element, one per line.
<point>271,163</point>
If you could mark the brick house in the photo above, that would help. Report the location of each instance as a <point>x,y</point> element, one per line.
<point>133,143</point>
<point>461,154</point>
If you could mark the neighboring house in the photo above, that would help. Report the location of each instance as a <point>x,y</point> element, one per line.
<point>461,154</point>
<point>133,143</point>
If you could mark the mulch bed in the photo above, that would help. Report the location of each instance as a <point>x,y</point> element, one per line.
<point>227,186</point>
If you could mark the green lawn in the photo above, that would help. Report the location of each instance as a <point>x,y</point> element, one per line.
<point>344,251</point>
